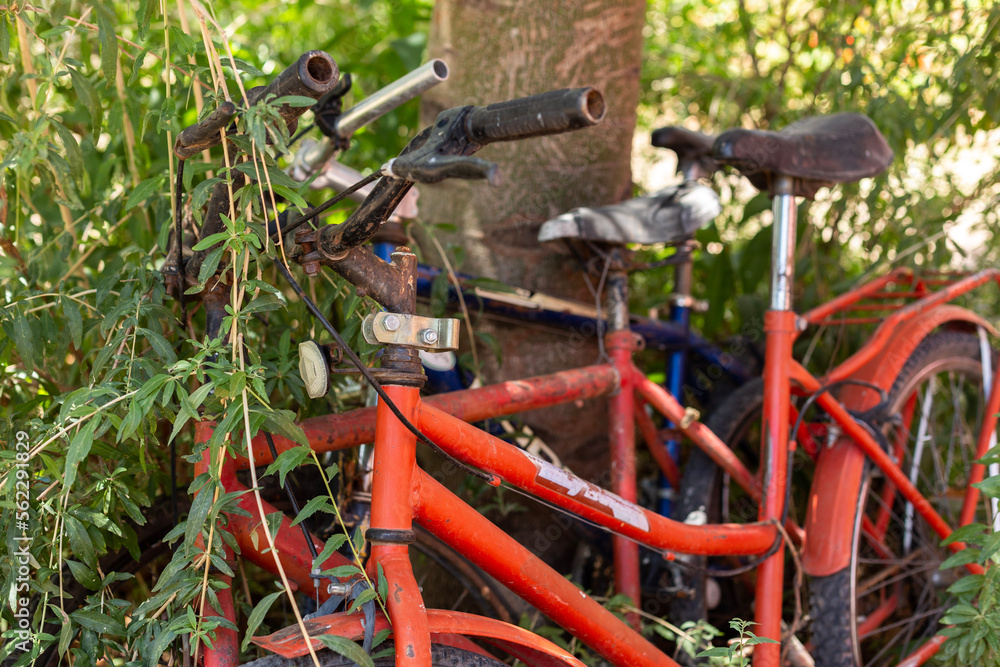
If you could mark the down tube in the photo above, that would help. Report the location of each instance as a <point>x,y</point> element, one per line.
<point>513,565</point>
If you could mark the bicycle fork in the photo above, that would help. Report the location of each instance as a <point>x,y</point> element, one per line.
<point>780,331</point>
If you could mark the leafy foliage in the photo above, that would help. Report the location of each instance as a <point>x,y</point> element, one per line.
<point>95,364</point>
<point>97,368</point>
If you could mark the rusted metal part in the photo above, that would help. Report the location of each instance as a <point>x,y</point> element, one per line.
<point>780,329</point>
<point>556,485</point>
<point>401,366</point>
<point>330,433</point>
<point>392,285</point>
<point>925,652</point>
<point>654,443</point>
<point>215,296</point>
<point>508,561</point>
<point>365,221</point>
<point>313,75</point>
<point>443,625</point>
<point>205,133</point>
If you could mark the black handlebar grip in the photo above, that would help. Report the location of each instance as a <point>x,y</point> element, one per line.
<point>547,113</point>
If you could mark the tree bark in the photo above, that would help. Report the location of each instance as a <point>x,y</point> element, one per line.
<point>503,49</point>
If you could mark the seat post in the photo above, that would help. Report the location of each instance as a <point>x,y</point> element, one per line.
<point>779,328</point>
<point>783,243</point>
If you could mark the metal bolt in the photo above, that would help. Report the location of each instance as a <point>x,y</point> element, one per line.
<point>390,323</point>
<point>428,336</point>
<point>311,268</point>
<point>340,589</point>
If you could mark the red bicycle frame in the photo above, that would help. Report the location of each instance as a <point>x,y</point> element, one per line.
<point>402,493</point>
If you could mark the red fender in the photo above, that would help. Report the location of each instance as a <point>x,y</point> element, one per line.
<point>446,627</point>
<point>831,511</point>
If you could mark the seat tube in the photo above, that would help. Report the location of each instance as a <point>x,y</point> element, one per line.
<point>621,427</point>
<point>391,531</point>
<point>779,329</point>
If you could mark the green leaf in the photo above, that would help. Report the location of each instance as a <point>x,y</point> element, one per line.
<point>279,422</point>
<point>109,43</point>
<point>332,545</point>
<point>366,596</point>
<point>967,584</point>
<point>210,240</point>
<point>74,321</point>
<point>24,340</point>
<point>131,421</point>
<point>714,652</point>
<point>296,101</point>
<point>145,14</point>
<point>964,533</point>
<point>79,541</point>
<point>85,90</point>
<point>79,448</point>
<point>83,574</point>
<point>963,557</point>
<point>160,345</point>
<point>211,264</point>
<point>98,622</point>
<point>4,37</point>
<point>199,513</point>
<point>348,649</point>
<point>143,191</point>
<point>72,150</point>
<point>257,615</point>
<point>288,459</point>
<point>319,503</point>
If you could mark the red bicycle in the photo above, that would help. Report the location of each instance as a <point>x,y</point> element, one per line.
<point>869,472</point>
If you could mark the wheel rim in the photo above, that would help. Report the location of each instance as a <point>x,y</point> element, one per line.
<point>897,592</point>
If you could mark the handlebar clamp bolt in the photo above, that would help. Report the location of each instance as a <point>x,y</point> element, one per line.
<point>428,336</point>
<point>391,323</point>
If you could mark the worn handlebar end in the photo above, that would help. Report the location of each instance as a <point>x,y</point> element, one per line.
<point>313,75</point>
<point>537,115</point>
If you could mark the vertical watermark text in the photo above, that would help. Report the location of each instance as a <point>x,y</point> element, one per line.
<point>22,554</point>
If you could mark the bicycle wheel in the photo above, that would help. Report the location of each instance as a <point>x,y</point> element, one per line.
<point>441,656</point>
<point>889,599</point>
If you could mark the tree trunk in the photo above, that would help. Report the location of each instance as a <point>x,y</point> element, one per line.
<point>503,49</point>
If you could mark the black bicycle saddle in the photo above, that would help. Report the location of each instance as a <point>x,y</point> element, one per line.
<point>815,151</point>
<point>669,216</point>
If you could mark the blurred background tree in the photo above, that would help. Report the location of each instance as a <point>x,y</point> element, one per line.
<point>91,95</point>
